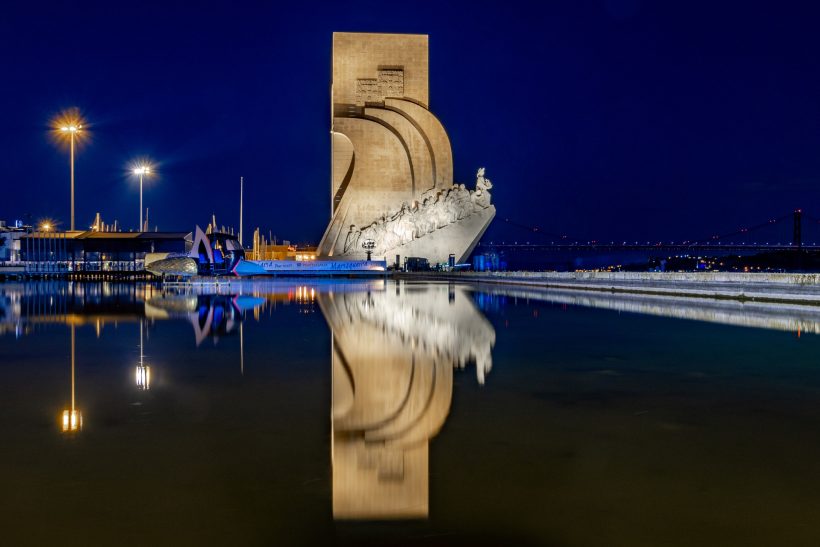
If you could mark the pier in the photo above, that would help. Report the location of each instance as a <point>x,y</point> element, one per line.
<point>786,288</point>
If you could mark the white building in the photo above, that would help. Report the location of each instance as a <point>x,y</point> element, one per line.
<point>10,241</point>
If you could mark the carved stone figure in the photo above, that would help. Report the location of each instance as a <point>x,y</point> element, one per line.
<point>464,206</point>
<point>436,211</point>
<point>352,239</point>
<point>482,189</point>
<point>406,228</point>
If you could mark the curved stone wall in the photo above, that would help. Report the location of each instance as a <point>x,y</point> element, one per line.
<point>388,149</point>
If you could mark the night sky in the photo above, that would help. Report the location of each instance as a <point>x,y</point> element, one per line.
<point>604,119</point>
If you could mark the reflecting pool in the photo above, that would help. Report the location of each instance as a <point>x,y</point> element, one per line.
<point>384,412</point>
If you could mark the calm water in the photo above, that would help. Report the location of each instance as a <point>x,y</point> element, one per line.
<point>376,413</point>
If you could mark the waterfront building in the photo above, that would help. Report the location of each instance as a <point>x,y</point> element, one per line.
<point>95,251</point>
<point>10,236</point>
<point>264,249</point>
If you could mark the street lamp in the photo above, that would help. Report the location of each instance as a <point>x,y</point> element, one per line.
<point>368,245</point>
<point>141,171</point>
<point>70,126</point>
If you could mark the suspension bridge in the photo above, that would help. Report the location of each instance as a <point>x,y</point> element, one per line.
<point>792,231</point>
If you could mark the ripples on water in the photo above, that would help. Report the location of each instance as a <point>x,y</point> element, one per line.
<point>380,412</point>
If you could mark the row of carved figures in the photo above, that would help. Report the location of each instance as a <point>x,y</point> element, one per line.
<point>410,222</point>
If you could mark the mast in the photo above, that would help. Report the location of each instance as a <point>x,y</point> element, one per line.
<point>241,192</point>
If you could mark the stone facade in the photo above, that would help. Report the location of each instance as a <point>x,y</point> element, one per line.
<point>391,156</point>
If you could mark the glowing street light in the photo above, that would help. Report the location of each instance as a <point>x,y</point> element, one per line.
<point>140,171</point>
<point>69,125</point>
<point>368,245</point>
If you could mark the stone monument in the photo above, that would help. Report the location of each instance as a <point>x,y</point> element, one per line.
<point>391,164</point>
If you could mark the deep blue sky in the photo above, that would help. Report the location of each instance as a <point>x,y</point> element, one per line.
<point>602,119</point>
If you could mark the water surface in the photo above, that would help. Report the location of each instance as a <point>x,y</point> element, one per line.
<point>392,413</point>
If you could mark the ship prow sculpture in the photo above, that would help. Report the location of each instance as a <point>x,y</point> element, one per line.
<point>448,221</point>
<point>392,164</point>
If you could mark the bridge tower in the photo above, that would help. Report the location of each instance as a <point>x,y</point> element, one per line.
<point>797,238</point>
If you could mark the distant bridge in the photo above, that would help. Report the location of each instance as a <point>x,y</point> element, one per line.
<point>752,239</point>
<point>647,246</point>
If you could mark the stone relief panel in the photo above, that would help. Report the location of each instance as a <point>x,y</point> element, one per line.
<point>437,209</point>
<point>388,83</point>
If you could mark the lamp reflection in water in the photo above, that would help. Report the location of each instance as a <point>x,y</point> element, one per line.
<point>72,418</point>
<point>143,374</point>
<point>393,355</point>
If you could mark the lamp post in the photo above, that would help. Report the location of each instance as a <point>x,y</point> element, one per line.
<point>368,245</point>
<point>71,130</point>
<point>141,171</point>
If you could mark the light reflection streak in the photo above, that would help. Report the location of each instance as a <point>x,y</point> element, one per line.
<point>72,420</point>
<point>143,372</point>
<point>783,317</point>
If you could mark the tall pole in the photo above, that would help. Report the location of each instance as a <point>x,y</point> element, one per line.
<point>72,369</point>
<point>241,195</point>
<point>140,226</point>
<point>72,181</point>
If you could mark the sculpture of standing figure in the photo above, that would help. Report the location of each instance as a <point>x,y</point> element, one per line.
<point>463,204</point>
<point>352,239</point>
<point>441,215</point>
<point>407,227</point>
<point>380,232</point>
<point>481,196</point>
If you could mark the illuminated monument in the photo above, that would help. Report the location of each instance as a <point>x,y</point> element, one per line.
<point>392,165</point>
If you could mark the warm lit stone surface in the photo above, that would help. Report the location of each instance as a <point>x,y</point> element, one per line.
<point>388,149</point>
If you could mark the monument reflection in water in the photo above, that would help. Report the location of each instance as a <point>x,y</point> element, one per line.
<point>394,349</point>
<point>393,357</point>
<point>613,411</point>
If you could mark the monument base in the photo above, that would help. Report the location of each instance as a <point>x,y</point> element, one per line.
<point>458,238</point>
